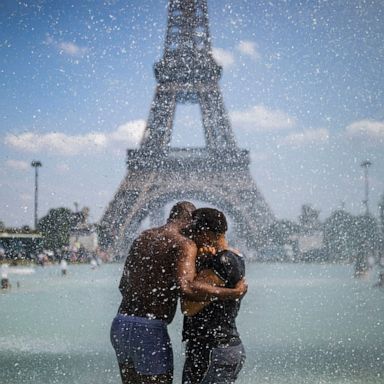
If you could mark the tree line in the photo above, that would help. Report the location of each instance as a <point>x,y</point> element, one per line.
<point>345,237</point>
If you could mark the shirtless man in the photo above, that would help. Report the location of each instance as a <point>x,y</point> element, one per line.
<point>149,298</point>
<point>149,286</point>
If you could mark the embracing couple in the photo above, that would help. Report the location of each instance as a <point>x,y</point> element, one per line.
<point>188,257</point>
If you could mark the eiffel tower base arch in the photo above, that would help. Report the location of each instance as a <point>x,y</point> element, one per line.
<point>225,184</point>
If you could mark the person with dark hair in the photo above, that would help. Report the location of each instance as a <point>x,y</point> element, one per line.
<point>214,351</point>
<point>149,291</point>
<point>207,226</point>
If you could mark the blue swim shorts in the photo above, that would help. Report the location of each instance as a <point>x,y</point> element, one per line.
<point>144,342</point>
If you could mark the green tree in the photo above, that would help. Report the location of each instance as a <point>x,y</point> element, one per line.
<point>281,230</point>
<point>381,217</point>
<point>339,232</point>
<point>56,227</point>
<point>351,238</point>
<point>366,240</point>
<point>381,211</point>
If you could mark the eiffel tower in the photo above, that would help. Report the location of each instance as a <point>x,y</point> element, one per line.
<point>158,173</point>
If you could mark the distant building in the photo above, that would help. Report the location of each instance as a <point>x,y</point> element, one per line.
<point>309,246</point>
<point>85,238</point>
<point>310,242</point>
<point>84,235</point>
<point>19,243</point>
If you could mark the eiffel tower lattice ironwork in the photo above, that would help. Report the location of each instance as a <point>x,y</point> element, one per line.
<point>157,173</point>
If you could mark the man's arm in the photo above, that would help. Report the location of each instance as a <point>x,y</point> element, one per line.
<point>200,290</point>
<point>191,307</point>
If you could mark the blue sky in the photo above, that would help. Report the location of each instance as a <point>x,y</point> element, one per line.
<point>303,82</point>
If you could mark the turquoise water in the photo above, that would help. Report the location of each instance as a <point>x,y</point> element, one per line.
<point>299,324</point>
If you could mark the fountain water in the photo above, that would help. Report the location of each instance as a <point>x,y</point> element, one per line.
<point>299,324</point>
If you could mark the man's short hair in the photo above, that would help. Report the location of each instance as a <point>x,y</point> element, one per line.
<point>181,211</point>
<point>209,219</point>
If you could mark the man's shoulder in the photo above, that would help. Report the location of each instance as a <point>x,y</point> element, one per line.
<point>165,235</point>
<point>188,243</point>
<point>181,244</point>
<point>150,233</point>
<point>181,240</point>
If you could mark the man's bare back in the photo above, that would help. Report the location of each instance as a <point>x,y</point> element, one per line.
<point>149,291</point>
<point>149,282</point>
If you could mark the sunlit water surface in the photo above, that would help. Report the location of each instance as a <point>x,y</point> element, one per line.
<point>299,324</point>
